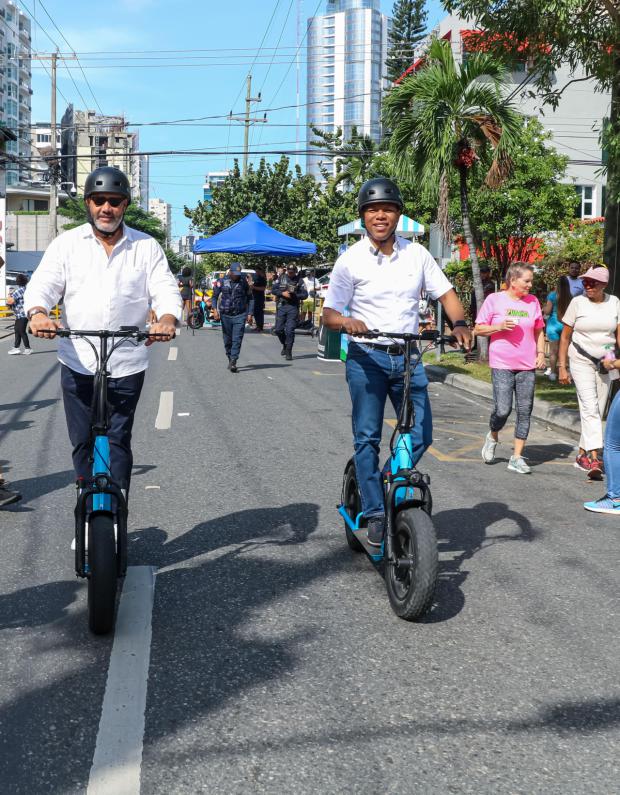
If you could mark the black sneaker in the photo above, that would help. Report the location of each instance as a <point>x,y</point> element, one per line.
<point>283,351</point>
<point>375,531</point>
<point>289,356</point>
<point>233,366</point>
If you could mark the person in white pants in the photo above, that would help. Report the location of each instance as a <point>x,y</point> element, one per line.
<point>591,333</point>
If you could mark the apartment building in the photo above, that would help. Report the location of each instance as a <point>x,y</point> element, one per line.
<point>162,211</point>
<point>346,52</point>
<point>90,140</point>
<point>212,181</point>
<point>15,88</point>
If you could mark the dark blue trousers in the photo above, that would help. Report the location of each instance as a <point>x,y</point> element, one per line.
<point>286,321</point>
<point>233,329</point>
<point>123,396</point>
<point>259,310</point>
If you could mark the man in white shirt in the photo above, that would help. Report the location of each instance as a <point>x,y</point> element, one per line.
<point>108,275</point>
<point>380,280</point>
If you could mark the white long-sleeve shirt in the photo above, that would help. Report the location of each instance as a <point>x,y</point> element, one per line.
<point>102,292</point>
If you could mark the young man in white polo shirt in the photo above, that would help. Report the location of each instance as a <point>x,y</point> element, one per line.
<point>380,280</point>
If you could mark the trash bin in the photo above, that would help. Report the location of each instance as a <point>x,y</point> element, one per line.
<point>329,344</point>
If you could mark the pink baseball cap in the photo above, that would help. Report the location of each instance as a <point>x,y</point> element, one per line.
<point>599,274</point>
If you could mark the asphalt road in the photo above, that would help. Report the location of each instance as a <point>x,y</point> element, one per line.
<point>276,664</point>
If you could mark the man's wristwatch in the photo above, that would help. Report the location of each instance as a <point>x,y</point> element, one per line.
<point>34,312</point>
<point>460,324</point>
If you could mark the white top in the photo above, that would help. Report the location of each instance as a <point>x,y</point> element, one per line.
<point>594,325</point>
<point>576,286</point>
<point>102,292</point>
<point>384,291</point>
<point>311,284</point>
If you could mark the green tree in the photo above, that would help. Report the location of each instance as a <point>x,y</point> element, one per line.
<point>510,221</point>
<point>580,33</point>
<point>408,29</point>
<point>443,118</point>
<point>354,158</point>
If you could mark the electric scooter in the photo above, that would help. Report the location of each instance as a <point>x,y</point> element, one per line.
<point>409,550</point>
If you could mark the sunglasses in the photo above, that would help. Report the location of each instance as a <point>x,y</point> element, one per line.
<point>588,283</point>
<point>113,201</point>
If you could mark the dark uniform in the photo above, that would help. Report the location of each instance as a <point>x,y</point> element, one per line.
<point>288,309</point>
<point>231,298</point>
<point>259,300</point>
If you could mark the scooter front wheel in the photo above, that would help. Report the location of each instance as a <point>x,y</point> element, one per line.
<point>411,576</point>
<point>103,573</point>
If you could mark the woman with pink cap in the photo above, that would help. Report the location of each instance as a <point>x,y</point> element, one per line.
<point>591,333</point>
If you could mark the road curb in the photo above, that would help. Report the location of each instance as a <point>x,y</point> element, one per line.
<point>566,420</point>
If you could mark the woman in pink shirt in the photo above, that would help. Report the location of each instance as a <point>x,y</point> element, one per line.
<point>514,322</point>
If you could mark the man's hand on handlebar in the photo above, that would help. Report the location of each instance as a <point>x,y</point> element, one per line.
<point>463,336</point>
<point>43,326</point>
<point>165,329</point>
<point>357,328</point>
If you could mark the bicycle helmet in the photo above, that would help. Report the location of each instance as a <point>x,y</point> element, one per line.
<point>378,190</point>
<point>107,179</point>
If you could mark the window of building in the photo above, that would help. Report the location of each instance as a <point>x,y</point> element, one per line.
<point>586,207</point>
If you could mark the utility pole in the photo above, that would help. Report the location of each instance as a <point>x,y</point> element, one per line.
<point>53,166</point>
<point>247,121</point>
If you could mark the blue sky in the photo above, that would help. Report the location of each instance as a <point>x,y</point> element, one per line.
<point>162,86</point>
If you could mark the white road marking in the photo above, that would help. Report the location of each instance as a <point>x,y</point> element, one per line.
<point>118,751</point>
<point>164,415</point>
<point>172,354</point>
<point>148,488</point>
<point>183,414</point>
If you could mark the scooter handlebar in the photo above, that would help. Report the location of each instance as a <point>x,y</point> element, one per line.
<point>425,336</point>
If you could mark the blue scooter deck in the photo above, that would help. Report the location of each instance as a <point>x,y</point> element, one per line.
<point>374,553</point>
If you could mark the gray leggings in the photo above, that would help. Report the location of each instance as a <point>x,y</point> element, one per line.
<point>505,383</point>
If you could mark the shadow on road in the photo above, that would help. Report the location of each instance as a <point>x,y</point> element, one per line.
<point>462,533</point>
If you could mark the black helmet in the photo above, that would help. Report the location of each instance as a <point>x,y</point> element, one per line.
<point>107,179</point>
<point>375,191</point>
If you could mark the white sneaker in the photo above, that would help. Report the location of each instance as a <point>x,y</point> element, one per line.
<point>552,377</point>
<point>517,464</point>
<point>14,351</point>
<point>547,372</point>
<point>488,449</point>
<point>27,351</point>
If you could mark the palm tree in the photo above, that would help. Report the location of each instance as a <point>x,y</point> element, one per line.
<point>354,158</point>
<point>441,119</point>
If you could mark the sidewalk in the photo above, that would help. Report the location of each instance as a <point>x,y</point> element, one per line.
<point>566,420</point>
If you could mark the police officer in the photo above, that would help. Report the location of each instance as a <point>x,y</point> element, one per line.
<point>289,290</point>
<point>231,296</point>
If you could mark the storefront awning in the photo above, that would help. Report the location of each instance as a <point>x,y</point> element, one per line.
<point>407,227</point>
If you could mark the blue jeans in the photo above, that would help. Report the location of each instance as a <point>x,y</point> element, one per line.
<point>611,451</point>
<point>373,376</point>
<point>233,329</point>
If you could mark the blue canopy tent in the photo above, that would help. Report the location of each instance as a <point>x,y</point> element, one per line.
<point>251,235</point>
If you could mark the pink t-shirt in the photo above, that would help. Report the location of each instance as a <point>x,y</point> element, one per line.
<point>514,349</point>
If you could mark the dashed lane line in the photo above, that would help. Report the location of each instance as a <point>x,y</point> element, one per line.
<point>118,751</point>
<point>163,420</point>
<point>172,354</point>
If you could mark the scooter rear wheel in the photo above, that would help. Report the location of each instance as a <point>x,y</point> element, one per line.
<point>411,585</point>
<point>103,573</point>
<point>352,505</point>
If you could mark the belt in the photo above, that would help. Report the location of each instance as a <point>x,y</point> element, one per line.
<point>392,350</point>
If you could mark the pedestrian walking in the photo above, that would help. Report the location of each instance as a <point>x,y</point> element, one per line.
<point>290,291</point>
<point>610,502</point>
<point>259,285</point>
<point>513,320</point>
<point>576,284</point>
<point>230,300</point>
<point>186,286</point>
<point>555,307</point>
<point>591,332</point>
<point>16,301</point>
<point>308,304</point>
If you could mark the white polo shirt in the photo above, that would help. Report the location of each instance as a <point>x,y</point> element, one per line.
<point>384,291</point>
<point>102,292</point>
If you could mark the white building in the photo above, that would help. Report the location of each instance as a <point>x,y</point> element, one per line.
<point>213,180</point>
<point>15,88</point>
<point>163,211</point>
<point>347,49</point>
<point>574,124</point>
